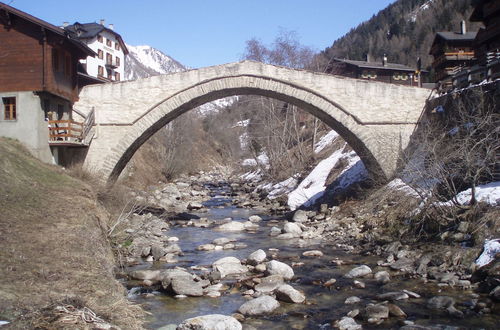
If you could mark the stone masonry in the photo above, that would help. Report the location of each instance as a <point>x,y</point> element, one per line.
<point>376,119</point>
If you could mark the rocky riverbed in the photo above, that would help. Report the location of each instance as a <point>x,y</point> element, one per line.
<point>221,255</point>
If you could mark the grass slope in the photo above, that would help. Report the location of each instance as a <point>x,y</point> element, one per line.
<point>53,250</point>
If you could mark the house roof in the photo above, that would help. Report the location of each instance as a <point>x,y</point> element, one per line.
<point>376,65</point>
<point>49,27</point>
<point>91,30</point>
<point>468,36</point>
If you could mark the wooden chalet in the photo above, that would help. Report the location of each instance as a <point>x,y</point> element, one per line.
<point>452,52</point>
<point>487,42</point>
<point>379,71</point>
<point>39,84</point>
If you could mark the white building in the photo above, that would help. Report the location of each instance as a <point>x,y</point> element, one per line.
<point>109,64</point>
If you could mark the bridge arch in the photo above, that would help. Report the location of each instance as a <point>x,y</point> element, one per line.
<point>349,106</point>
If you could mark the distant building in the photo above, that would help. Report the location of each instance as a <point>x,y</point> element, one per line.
<point>452,52</point>
<point>487,42</point>
<point>39,84</point>
<point>109,64</point>
<point>378,71</point>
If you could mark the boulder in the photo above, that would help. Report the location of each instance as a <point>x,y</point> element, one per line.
<point>275,267</point>
<point>395,295</point>
<point>206,247</point>
<point>360,271</point>
<point>269,284</point>
<point>300,216</point>
<point>259,306</point>
<point>256,257</point>
<point>288,294</point>
<point>352,300</point>
<point>348,323</point>
<point>275,231</point>
<point>222,241</point>
<point>313,253</point>
<point>292,228</point>
<point>194,206</point>
<point>210,322</point>
<point>146,275</point>
<point>232,226</point>
<point>254,218</point>
<point>382,277</point>
<point>229,266</point>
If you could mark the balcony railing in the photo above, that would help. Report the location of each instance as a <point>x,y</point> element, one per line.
<point>65,131</point>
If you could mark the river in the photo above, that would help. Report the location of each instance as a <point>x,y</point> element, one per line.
<point>324,304</point>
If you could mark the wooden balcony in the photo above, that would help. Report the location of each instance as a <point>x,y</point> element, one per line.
<point>70,132</point>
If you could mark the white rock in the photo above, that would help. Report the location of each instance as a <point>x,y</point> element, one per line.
<point>352,300</point>
<point>256,257</point>
<point>348,323</point>
<point>259,306</point>
<point>232,226</point>
<point>254,218</point>
<point>210,322</point>
<point>360,271</point>
<point>229,266</point>
<point>313,253</point>
<point>275,267</point>
<point>288,294</point>
<point>292,228</point>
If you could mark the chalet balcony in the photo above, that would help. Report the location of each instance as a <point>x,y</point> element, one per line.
<point>70,132</point>
<point>453,56</point>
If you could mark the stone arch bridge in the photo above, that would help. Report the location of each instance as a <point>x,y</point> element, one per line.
<point>376,119</point>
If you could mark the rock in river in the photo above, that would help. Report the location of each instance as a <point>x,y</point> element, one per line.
<point>275,267</point>
<point>256,257</point>
<point>229,266</point>
<point>259,306</point>
<point>210,322</point>
<point>288,294</point>
<point>232,226</point>
<point>360,271</point>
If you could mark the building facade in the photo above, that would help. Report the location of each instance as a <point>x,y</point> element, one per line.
<point>38,82</point>
<point>109,64</point>
<point>379,71</point>
<point>453,52</point>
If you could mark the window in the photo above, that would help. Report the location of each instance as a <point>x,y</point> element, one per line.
<point>99,38</point>
<point>117,61</point>
<point>100,70</point>
<point>117,46</point>
<point>109,58</point>
<point>55,59</point>
<point>9,108</point>
<point>368,74</point>
<point>109,43</point>
<point>396,76</point>
<point>110,75</point>
<point>100,53</point>
<point>117,76</point>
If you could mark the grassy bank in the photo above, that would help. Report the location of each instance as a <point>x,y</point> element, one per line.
<point>53,248</point>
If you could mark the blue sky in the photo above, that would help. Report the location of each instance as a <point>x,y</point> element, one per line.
<point>201,33</point>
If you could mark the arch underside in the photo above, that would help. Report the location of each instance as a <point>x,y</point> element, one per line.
<point>173,106</point>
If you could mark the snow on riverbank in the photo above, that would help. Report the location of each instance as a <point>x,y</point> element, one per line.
<point>486,193</point>
<point>314,185</point>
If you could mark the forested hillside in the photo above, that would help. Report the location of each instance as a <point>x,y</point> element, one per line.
<point>404,31</point>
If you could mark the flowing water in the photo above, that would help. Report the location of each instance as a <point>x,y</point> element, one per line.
<point>323,304</point>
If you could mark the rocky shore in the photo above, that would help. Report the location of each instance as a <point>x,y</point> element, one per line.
<point>447,280</point>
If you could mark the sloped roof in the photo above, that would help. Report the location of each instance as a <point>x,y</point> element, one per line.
<point>49,27</point>
<point>376,65</point>
<point>456,36</point>
<point>91,30</point>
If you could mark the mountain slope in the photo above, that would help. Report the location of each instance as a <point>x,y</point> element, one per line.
<point>404,31</point>
<point>146,61</point>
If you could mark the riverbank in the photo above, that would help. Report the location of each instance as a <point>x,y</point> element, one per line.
<point>57,265</point>
<point>344,267</point>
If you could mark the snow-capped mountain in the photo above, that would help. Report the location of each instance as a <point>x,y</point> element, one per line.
<point>146,61</point>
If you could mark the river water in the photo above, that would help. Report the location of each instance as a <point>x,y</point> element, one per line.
<point>323,304</point>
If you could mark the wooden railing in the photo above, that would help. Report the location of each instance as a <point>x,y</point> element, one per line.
<point>65,131</point>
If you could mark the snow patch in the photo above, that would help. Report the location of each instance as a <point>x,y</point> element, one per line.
<point>487,193</point>
<point>399,185</point>
<point>281,188</point>
<point>313,186</point>
<point>490,250</point>
<point>325,141</point>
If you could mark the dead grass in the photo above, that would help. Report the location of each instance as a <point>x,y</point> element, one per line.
<point>53,246</point>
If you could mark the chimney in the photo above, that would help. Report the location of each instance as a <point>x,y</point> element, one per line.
<point>369,57</point>
<point>111,26</point>
<point>102,21</point>
<point>65,24</point>
<point>463,27</point>
<point>384,60</point>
